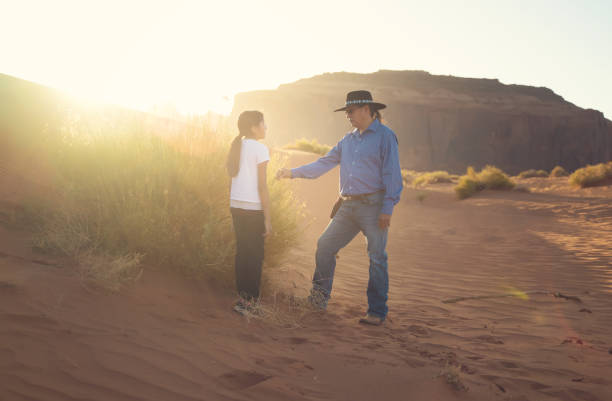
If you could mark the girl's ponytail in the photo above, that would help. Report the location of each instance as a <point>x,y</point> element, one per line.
<point>233,158</point>
<point>246,121</point>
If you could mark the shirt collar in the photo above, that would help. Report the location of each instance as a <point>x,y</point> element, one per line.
<point>372,127</point>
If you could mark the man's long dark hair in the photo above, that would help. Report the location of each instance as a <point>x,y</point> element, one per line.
<point>375,113</point>
<point>247,120</point>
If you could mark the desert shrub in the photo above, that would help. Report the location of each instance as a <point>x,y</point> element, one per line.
<point>591,175</point>
<point>434,177</point>
<point>422,178</point>
<point>421,197</point>
<point>133,193</point>
<point>489,177</point>
<point>109,272</point>
<point>532,173</point>
<point>467,187</point>
<point>312,146</point>
<point>408,176</point>
<point>558,171</point>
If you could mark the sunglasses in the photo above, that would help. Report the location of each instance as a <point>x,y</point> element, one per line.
<point>351,110</point>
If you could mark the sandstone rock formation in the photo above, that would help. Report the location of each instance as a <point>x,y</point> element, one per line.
<point>444,122</point>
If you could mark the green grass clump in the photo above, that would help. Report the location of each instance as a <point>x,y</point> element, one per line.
<point>558,171</point>
<point>489,177</point>
<point>134,193</point>
<point>312,146</point>
<point>591,175</point>
<point>533,173</point>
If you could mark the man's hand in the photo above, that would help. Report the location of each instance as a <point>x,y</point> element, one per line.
<point>283,173</point>
<point>384,221</point>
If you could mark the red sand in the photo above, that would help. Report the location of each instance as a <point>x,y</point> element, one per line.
<point>167,338</point>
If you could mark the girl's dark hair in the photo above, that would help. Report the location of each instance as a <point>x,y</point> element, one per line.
<point>247,120</point>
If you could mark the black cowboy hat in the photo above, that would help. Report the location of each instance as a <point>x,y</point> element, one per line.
<point>360,98</point>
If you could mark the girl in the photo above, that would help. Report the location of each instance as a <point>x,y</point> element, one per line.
<point>249,204</point>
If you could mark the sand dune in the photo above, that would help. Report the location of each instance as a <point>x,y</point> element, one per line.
<point>167,338</point>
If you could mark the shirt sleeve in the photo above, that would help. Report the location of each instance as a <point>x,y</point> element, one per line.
<point>263,154</point>
<point>392,173</point>
<point>321,166</point>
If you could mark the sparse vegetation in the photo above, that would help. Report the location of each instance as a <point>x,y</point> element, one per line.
<point>408,176</point>
<point>558,171</point>
<point>312,146</point>
<point>110,273</point>
<point>592,175</point>
<point>489,177</point>
<point>452,376</point>
<point>434,177</point>
<point>533,173</point>
<point>423,178</point>
<point>129,195</point>
<point>283,310</point>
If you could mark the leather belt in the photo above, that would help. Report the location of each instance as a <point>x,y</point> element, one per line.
<point>357,197</point>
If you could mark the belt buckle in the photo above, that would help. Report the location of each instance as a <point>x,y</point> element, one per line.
<point>353,197</point>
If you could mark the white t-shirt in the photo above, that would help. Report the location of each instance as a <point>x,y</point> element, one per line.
<point>244,184</point>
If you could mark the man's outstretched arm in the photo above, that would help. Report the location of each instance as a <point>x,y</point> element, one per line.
<point>316,168</point>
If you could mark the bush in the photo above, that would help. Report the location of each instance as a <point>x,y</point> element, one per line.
<point>422,178</point>
<point>134,193</point>
<point>467,187</point>
<point>533,173</point>
<point>489,177</point>
<point>591,175</point>
<point>434,177</point>
<point>408,176</point>
<point>558,171</point>
<point>309,146</point>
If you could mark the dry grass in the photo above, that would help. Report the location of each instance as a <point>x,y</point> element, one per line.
<point>532,173</point>
<point>125,191</point>
<point>108,272</point>
<point>558,171</point>
<point>421,197</point>
<point>433,177</point>
<point>424,178</point>
<point>591,175</point>
<point>452,376</point>
<point>280,309</point>
<point>312,146</point>
<point>489,177</point>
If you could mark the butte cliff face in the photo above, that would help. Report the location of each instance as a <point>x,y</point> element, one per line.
<point>444,122</point>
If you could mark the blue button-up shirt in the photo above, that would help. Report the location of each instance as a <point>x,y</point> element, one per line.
<point>369,162</point>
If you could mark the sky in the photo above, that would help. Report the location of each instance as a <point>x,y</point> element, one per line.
<point>197,54</point>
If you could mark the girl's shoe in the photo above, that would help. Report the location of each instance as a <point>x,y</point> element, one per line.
<point>245,307</point>
<point>239,308</point>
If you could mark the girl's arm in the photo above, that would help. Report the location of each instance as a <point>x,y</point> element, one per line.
<point>264,195</point>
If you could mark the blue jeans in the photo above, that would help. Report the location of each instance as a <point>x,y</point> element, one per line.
<point>352,217</point>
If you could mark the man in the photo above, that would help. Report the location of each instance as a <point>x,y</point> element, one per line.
<point>370,186</point>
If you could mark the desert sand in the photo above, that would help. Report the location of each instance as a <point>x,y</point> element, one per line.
<point>169,338</point>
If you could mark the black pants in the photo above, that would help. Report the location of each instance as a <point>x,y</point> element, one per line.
<point>249,228</point>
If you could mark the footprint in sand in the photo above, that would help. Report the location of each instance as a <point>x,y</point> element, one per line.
<point>248,338</point>
<point>419,331</point>
<point>489,339</point>
<point>297,340</point>
<point>240,379</point>
<point>509,365</point>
